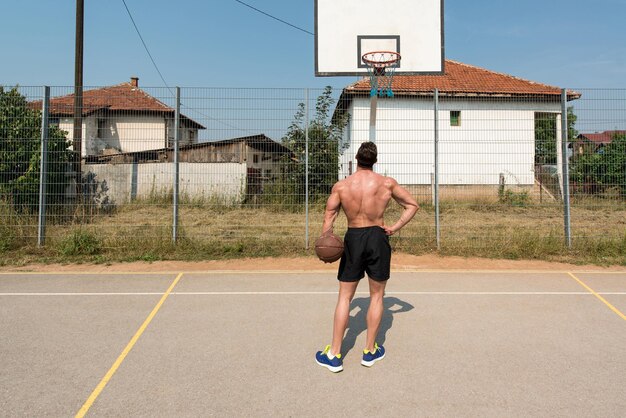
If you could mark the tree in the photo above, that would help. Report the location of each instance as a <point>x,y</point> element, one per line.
<point>614,159</point>
<point>20,154</point>
<point>603,169</point>
<point>545,135</point>
<point>545,138</point>
<point>324,137</point>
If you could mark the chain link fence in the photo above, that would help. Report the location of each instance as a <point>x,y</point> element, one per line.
<point>217,171</point>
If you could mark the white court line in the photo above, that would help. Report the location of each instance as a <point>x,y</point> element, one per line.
<point>279,293</point>
<point>407,269</point>
<point>396,293</point>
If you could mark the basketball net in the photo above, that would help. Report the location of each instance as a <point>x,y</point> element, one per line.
<point>381,66</point>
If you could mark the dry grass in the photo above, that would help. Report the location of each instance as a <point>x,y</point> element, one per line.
<point>142,231</point>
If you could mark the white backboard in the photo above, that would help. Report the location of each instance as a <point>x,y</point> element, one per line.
<point>346,29</point>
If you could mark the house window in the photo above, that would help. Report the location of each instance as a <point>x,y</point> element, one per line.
<point>255,158</point>
<point>455,118</point>
<point>102,124</point>
<point>192,135</point>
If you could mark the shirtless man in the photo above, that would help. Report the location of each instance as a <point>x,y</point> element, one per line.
<point>364,197</point>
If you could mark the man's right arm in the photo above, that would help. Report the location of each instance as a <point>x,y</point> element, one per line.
<point>404,199</point>
<point>332,209</point>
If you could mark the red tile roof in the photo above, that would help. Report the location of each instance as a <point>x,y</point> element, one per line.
<point>601,137</point>
<point>465,80</point>
<point>121,97</point>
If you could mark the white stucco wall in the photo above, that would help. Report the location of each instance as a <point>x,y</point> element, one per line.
<point>126,133</point>
<point>136,134</point>
<point>67,125</point>
<point>495,136</point>
<point>224,182</point>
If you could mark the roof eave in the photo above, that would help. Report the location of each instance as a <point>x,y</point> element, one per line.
<point>349,93</point>
<point>571,95</point>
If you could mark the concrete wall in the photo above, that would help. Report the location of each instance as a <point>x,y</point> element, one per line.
<point>122,183</point>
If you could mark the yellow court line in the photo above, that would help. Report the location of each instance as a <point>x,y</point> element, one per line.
<point>87,273</point>
<point>96,392</point>
<point>606,302</point>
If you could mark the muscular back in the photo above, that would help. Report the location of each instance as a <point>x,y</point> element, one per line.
<point>364,196</point>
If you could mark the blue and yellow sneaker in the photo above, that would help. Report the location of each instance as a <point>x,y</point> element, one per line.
<point>334,364</point>
<point>370,358</point>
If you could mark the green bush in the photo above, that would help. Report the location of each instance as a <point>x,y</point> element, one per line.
<point>602,171</point>
<point>7,238</point>
<point>80,242</point>
<point>511,198</point>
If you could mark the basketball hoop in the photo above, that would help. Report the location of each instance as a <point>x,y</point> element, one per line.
<point>381,66</point>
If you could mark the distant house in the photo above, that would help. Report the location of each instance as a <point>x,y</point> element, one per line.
<point>486,126</point>
<point>264,158</point>
<point>235,168</point>
<point>125,130</point>
<point>259,153</point>
<point>121,118</point>
<point>593,143</point>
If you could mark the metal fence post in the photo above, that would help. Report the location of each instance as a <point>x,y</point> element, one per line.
<point>436,169</point>
<point>176,168</point>
<point>43,168</point>
<point>565,167</point>
<point>306,168</point>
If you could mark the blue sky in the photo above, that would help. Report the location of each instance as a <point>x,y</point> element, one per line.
<point>221,43</point>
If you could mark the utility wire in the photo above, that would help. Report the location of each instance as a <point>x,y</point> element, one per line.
<point>163,79</point>
<point>275,18</point>
<point>146,47</point>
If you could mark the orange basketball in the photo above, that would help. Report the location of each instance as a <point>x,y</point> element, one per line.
<point>329,248</point>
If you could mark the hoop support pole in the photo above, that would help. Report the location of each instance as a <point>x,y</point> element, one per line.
<point>373,105</point>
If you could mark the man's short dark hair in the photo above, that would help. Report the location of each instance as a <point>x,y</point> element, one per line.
<point>367,155</point>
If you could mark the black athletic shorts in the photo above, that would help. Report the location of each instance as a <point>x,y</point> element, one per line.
<point>366,250</point>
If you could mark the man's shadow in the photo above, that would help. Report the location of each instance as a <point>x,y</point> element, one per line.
<point>358,321</point>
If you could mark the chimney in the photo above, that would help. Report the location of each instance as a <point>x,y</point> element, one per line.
<point>134,81</point>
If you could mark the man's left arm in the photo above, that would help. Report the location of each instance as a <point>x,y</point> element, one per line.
<point>404,198</point>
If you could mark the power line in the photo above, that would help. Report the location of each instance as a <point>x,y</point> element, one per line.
<point>146,47</point>
<point>275,18</point>
<point>163,79</point>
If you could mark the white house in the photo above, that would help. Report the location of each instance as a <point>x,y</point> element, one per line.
<point>122,118</point>
<point>486,126</point>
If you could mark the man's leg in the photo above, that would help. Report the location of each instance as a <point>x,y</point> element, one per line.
<point>342,314</point>
<point>375,312</point>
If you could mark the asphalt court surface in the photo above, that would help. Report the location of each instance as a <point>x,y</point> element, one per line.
<point>462,343</point>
